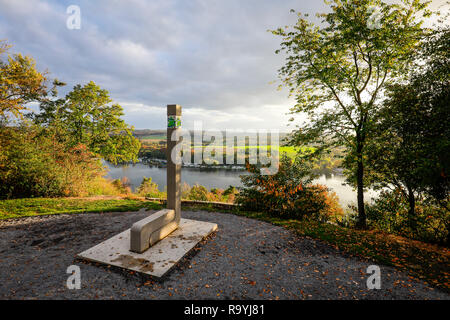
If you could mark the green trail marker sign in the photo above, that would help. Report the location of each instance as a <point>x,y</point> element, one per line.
<point>173,121</point>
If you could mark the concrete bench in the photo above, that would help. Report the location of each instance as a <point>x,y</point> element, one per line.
<point>150,230</point>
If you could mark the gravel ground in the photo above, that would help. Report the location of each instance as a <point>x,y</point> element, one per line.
<point>244,259</point>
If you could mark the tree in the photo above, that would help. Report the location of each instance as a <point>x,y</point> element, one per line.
<point>338,72</point>
<point>410,148</point>
<point>20,83</point>
<point>198,192</point>
<point>89,117</point>
<point>34,164</point>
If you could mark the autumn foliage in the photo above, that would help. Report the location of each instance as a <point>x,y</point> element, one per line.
<point>289,193</point>
<point>34,163</point>
<point>20,82</point>
<point>389,213</point>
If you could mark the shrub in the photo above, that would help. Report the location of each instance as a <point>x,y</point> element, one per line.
<point>35,163</point>
<point>230,191</point>
<point>216,194</point>
<point>185,190</point>
<point>389,213</point>
<point>229,195</point>
<point>148,189</point>
<point>122,185</point>
<point>198,192</point>
<point>288,193</point>
<point>101,186</point>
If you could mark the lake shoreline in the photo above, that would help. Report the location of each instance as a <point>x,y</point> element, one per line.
<point>213,177</point>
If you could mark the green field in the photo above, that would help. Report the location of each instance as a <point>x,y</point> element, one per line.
<point>153,137</point>
<point>289,150</point>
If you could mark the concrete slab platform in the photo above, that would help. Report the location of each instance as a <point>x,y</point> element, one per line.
<point>158,259</point>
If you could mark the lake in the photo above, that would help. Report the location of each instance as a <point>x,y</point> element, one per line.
<point>221,178</point>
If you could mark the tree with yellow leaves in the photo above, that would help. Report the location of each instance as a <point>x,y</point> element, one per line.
<point>20,82</point>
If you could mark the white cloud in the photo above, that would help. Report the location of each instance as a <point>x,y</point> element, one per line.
<point>213,57</point>
<point>146,116</point>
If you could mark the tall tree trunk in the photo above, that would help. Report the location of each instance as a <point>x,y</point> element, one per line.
<point>447,240</point>
<point>411,209</point>
<point>360,186</point>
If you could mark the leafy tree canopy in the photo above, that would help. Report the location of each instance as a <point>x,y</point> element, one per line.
<point>338,71</point>
<point>20,83</point>
<point>411,146</point>
<point>88,116</point>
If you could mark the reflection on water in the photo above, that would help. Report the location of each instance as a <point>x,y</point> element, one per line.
<point>220,178</point>
<point>346,194</point>
<point>210,178</point>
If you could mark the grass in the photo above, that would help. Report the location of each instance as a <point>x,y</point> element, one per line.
<point>153,137</point>
<point>29,207</point>
<point>289,150</point>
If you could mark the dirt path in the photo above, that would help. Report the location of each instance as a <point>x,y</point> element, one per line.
<point>245,259</point>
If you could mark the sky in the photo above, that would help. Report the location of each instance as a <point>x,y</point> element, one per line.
<point>213,57</point>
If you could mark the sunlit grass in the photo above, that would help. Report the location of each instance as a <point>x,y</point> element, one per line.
<point>17,208</point>
<point>289,150</point>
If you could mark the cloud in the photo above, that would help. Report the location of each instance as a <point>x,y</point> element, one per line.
<point>144,116</point>
<point>213,57</point>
